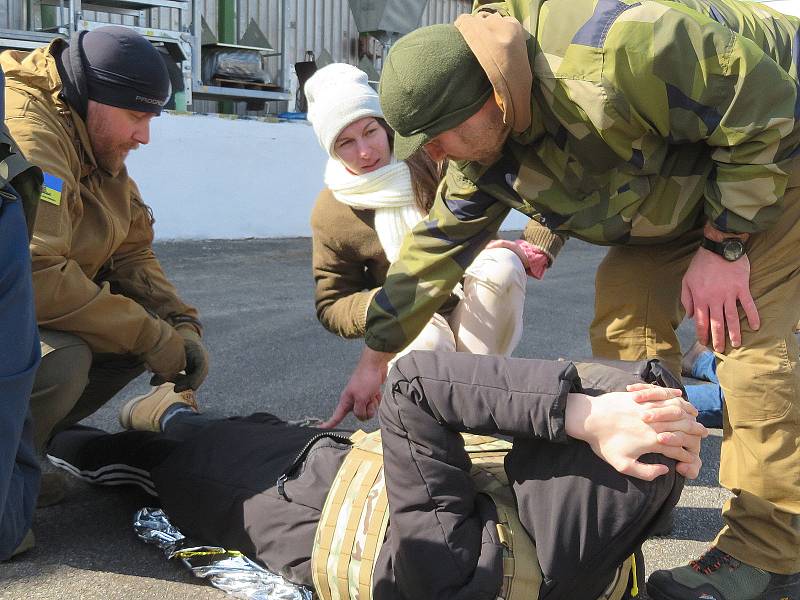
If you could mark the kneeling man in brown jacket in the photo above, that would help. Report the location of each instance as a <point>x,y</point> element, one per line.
<point>106,310</point>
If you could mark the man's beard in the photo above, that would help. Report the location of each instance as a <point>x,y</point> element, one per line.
<point>487,153</point>
<point>109,149</point>
<point>490,157</point>
<point>112,159</point>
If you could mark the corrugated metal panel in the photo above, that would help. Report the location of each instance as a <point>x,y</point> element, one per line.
<point>322,25</point>
<point>169,18</point>
<point>210,13</point>
<point>444,11</point>
<point>319,25</point>
<point>12,14</point>
<point>315,25</point>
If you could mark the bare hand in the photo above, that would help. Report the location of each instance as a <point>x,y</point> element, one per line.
<point>534,260</point>
<point>362,395</point>
<point>622,426</point>
<point>711,288</point>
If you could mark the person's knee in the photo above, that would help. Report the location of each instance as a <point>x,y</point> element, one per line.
<point>403,369</point>
<point>66,360</point>
<point>498,268</point>
<point>60,380</point>
<point>436,336</point>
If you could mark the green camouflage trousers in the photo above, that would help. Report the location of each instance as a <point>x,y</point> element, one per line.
<point>637,309</point>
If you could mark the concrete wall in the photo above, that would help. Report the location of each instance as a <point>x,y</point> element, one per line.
<point>209,177</point>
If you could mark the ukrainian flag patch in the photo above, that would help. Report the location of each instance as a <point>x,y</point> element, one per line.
<point>51,189</point>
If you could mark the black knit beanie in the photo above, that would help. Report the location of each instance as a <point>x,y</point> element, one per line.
<point>116,66</point>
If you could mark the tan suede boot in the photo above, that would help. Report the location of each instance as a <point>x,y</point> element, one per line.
<point>143,413</point>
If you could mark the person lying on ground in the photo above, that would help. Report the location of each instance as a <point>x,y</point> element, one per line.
<point>597,457</point>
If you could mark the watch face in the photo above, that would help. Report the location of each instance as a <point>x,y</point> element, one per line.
<point>732,249</point>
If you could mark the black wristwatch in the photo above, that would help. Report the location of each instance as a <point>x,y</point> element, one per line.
<point>730,249</point>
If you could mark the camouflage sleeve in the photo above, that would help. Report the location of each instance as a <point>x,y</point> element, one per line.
<point>674,73</point>
<point>490,6</point>
<point>432,260</point>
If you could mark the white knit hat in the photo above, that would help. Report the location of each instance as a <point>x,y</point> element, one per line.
<point>338,95</point>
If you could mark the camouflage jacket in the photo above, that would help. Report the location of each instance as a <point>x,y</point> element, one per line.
<point>646,117</point>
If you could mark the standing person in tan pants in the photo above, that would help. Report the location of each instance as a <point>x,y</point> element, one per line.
<point>671,131</point>
<point>637,310</point>
<point>105,309</point>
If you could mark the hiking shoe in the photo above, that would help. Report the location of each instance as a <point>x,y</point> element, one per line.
<point>143,413</point>
<point>688,360</point>
<point>51,490</point>
<point>718,576</point>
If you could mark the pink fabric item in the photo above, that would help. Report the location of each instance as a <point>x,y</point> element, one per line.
<point>538,261</point>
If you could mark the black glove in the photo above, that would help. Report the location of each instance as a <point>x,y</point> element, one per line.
<point>196,362</point>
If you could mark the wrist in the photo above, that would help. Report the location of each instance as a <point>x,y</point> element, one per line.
<point>576,415</point>
<point>374,358</point>
<point>717,235</point>
<point>536,260</point>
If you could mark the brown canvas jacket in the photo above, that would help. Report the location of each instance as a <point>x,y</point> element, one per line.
<point>94,270</point>
<point>348,264</point>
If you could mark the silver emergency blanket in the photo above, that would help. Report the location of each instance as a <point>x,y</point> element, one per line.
<point>228,570</point>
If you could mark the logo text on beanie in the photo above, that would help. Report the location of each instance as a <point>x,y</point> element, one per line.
<point>147,100</point>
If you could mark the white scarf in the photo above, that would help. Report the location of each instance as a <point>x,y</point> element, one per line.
<point>387,191</point>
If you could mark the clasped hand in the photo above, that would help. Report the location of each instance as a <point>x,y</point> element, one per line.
<point>622,426</point>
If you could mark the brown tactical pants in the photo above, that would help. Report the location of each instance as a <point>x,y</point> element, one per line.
<point>638,308</point>
<point>72,383</point>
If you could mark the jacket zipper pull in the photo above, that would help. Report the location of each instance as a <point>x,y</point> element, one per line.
<point>281,486</point>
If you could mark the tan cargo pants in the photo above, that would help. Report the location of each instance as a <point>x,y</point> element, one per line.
<point>72,383</point>
<point>637,309</point>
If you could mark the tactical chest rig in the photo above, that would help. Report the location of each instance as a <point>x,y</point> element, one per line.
<point>354,519</point>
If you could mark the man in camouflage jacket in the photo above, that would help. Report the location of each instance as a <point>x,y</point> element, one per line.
<point>653,127</point>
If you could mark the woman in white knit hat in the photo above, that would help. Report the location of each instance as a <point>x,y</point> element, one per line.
<point>370,203</point>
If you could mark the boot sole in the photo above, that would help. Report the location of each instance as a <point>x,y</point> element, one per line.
<point>786,594</point>
<point>655,594</point>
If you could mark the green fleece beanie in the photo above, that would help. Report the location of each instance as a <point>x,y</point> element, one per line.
<point>431,82</point>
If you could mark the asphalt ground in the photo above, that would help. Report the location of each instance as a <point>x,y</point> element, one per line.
<point>270,353</point>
